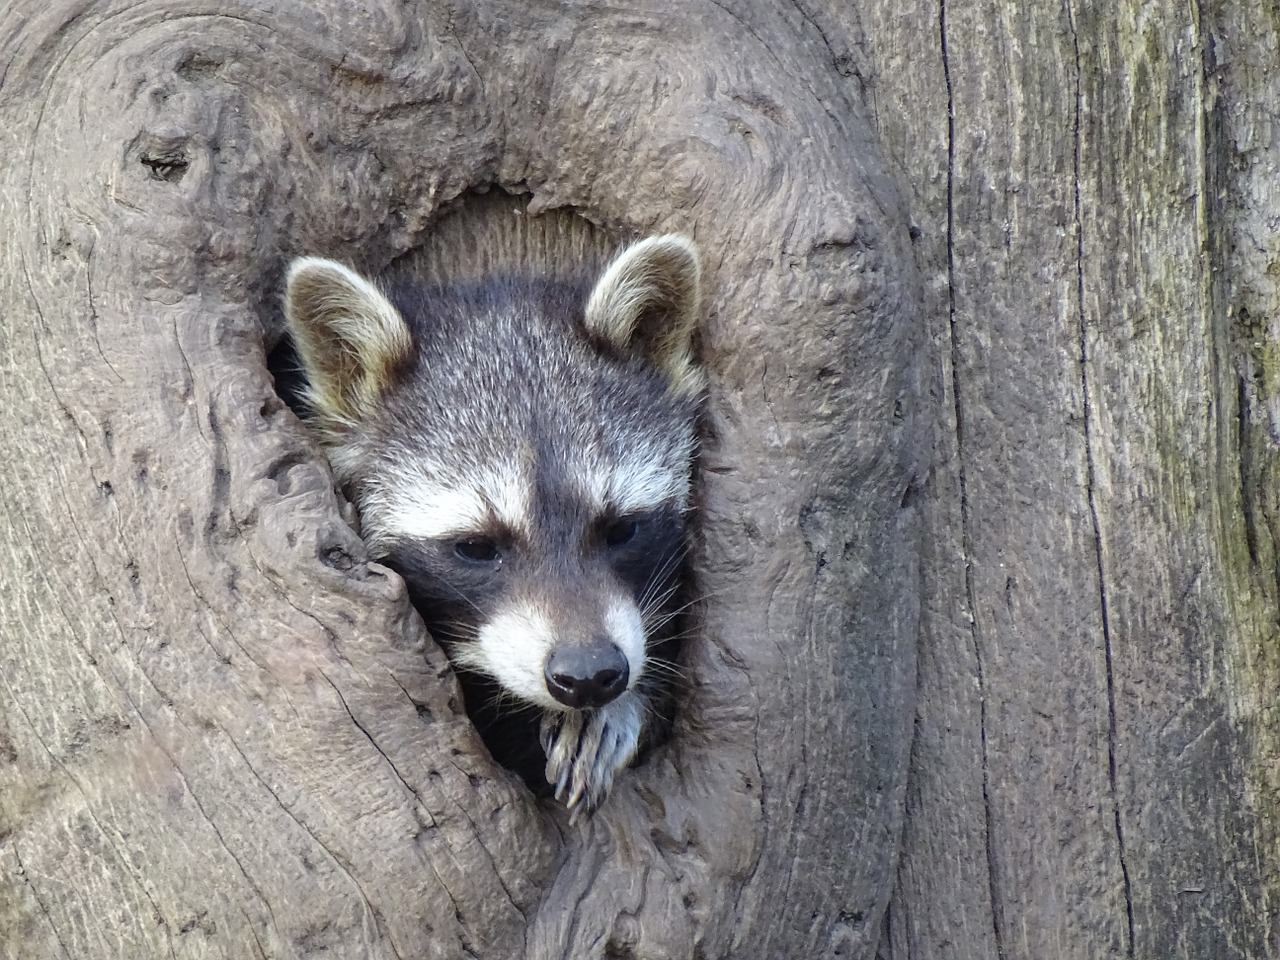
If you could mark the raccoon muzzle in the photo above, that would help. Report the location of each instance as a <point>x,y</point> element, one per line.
<point>583,677</point>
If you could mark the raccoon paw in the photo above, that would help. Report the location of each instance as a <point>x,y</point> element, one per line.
<point>586,749</point>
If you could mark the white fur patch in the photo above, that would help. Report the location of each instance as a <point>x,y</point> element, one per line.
<point>428,512</point>
<point>624,626</point>
<point>513,646</point>
<point>509,494</point>
<point>422,507</point>
<point>636,486</point>
<point>639,486</point>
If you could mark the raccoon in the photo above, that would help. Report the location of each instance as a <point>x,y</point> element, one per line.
<point>518,443</point>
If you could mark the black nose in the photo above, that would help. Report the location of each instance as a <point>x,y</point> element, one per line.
<point>586,676</point>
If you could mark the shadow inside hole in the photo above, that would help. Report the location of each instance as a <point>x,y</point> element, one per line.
<point>283,365</point>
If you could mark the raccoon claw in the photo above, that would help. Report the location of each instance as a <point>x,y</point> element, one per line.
<point>586,749</point>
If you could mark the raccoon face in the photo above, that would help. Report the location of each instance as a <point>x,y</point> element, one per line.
<point>519,449</point>
<point>558,611</point>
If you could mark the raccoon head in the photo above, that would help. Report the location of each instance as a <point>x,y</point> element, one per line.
<point>519,449</point>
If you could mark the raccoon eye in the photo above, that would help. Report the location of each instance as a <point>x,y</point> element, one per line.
<point>618,532</point>
<point>477,550</point>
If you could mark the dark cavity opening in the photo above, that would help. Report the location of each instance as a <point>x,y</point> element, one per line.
<point>283,365</point>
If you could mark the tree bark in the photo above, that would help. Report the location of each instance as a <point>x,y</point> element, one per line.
<point>1094,769</point>
<point>225,733</point>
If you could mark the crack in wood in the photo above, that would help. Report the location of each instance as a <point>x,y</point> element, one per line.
<point>338,861</point>
<point>1091,490</point>
<point>965,525</point>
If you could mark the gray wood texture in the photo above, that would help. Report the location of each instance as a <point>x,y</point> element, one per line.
<point>1094,188</point>
<point>224,733</point>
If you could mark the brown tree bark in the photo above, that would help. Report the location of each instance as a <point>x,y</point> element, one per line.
<point>224,733</point>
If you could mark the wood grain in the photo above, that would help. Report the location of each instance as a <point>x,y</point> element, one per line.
<point>1093,773</point>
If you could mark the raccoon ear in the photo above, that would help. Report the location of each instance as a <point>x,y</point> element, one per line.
<point>648,300</point>
<point>349,336</point>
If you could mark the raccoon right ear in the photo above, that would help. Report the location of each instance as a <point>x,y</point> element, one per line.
<point>349,336</point>
<point>648,300</point>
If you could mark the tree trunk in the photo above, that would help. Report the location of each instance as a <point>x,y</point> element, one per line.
<point>225,733</point>
<point>1094,772</point>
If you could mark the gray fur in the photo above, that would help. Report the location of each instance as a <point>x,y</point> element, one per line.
<point>524,420</point>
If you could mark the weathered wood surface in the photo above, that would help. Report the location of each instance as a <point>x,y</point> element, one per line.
<point>220,735</point>
<point>224,734</point>
<point>1094,771</point>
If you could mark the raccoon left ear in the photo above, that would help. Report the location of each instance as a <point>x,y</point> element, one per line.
<point>648,300</point>
<point>349,336</point>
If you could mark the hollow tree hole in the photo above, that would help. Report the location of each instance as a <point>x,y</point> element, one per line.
<point>500,376</point>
